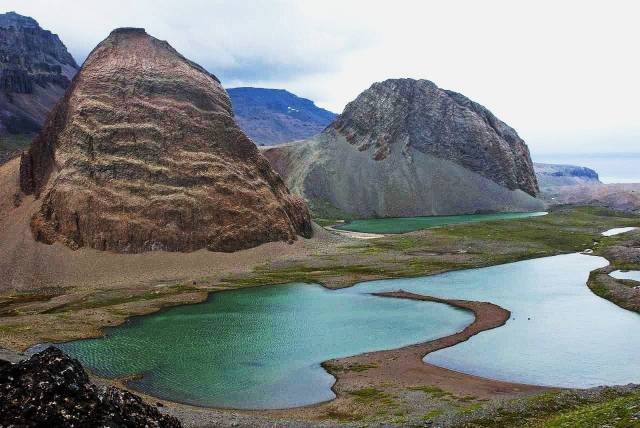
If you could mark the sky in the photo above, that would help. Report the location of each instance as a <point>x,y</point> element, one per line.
<point>564,74</point>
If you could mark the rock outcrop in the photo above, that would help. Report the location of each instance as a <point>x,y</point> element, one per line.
<point>143,153</point>
<point>405,147</point>
<point>275,116</point>
<point>35,70</point>
<point>52,390</point>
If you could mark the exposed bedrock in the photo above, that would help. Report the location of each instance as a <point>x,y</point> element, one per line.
<point>142,153</point>
<point>405,147</point>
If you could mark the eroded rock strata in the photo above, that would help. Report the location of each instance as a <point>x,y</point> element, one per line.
<point>405,147</point>
<point>142,153</point>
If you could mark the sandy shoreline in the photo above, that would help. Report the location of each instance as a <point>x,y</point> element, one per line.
<point>389,370</point>
<point>356,235</point>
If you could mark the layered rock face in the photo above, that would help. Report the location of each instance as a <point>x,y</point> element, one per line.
<point>35,70</point>
<point>50,389</point>
<point>405,147</point>
<point>275,116</point>
<point>143,154</point>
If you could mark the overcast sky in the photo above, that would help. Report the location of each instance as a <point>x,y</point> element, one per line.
<point>565,75</point>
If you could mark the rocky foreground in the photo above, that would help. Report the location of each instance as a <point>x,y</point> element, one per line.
<point>52,390</point>
<point>143,154</point>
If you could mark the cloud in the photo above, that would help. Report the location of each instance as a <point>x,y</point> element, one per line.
<point>248,40</point>
<point>564,74</point>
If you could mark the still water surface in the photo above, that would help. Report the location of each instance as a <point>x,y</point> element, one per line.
<point>261,347</point>
<point>411,224</point>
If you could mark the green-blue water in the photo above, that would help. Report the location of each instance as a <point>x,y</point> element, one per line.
<point>411,224</point>
<point>261,347</point>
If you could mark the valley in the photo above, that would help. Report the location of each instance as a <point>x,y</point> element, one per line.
<point>180,246</point>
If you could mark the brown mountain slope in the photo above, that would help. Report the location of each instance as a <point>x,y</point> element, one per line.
<point>143,154</point>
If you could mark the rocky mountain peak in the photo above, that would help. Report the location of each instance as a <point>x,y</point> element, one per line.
<point>408,114</point>
<point>12,19</point>
<point>35,70</point>
<point>143,154</point>
<point>24,44</point>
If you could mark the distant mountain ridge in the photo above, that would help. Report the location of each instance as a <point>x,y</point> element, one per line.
<point>35,70</point>
<point>579,185</point>
<point>274,116</point>
<point>550,175</point>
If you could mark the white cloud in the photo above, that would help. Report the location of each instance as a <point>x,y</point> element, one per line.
<point>564,74</point>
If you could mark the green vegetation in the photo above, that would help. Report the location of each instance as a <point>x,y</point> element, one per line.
<point>369,395</point>
<point>322,208</point>
<point>432,391</point>
<point>116,297</point>
<point>614,407</point>
<point>619,412</point>
<point>431,414</point>
<point>443,249</point>
<point>13,143</point>
<point>355,367</point>
<point>325,222</point>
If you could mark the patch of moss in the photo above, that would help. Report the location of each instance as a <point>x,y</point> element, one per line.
<point>431,414</point>
<point>342,416</point>
<point>432,391</point>
<point>623,412</point>
<point>114,299</point>
<point>369,395</point>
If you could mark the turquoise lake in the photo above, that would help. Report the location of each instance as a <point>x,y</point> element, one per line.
<point>262,347</point>
<point>411,224</point>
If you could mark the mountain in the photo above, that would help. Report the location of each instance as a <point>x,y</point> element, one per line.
<point>35,70</point>
<point>578,185</point>
<point>405,147</point>
<point>550,175</point>
<point>142,153</point>
<point>274,116</point>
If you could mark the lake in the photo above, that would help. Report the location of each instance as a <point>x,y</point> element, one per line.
<point>411,224</point>
<point>262,347</point>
